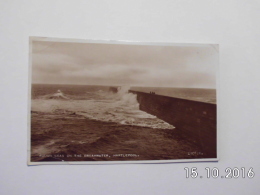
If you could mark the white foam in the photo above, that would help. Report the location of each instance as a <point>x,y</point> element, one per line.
<point>121,108</point>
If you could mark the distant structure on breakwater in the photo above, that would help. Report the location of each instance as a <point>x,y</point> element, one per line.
<point>197,121</point>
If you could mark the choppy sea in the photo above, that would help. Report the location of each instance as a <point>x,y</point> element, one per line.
<point>99,103</point>
<point>116,124</point>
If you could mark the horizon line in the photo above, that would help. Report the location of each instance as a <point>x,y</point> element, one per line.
<point>113,85</point>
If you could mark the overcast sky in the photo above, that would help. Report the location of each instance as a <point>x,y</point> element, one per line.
<point>116,64</point>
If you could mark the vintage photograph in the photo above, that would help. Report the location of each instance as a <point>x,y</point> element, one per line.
<point>121,102</point>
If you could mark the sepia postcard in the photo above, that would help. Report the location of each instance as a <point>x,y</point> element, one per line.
<point>108,102</point>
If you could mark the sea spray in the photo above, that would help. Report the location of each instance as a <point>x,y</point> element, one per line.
<point>101,105</point>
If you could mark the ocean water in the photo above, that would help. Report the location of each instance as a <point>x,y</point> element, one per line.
<point>196,94</point>
<point>94,102</point>
<point>98,103</point>
<point>73,122</point>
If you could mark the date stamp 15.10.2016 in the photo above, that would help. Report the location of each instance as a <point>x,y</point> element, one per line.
<point>215,173</point>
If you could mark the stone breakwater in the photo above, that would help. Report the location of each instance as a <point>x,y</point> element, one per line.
<point>196,121</point>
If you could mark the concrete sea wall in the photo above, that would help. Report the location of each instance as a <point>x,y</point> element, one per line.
<point>196,121</point>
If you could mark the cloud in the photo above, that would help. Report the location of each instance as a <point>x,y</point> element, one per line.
<point>114,64</point>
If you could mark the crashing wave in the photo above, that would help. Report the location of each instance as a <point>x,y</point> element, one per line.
<point>121,107</point>
<point>58,95</point>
